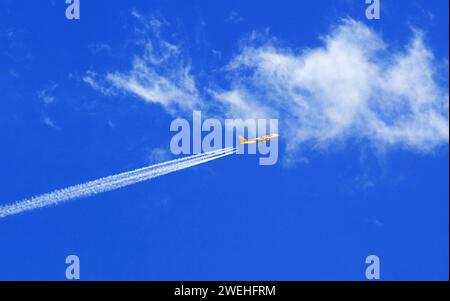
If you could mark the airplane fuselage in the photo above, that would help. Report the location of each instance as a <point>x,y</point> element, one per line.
<point>259,139</point>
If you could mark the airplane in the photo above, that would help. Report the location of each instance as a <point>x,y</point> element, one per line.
<point>259,139</point>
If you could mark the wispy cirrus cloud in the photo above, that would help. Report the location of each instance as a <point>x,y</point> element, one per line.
<point>354,86</point>
<point>50,123</point>
<point>160,74</point>
<point>47,94</point>
<point>235,18</point>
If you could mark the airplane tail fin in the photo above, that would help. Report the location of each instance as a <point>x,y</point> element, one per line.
<point>242,139</point>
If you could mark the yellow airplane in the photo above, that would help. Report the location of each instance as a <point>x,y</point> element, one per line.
<point>259,139</point>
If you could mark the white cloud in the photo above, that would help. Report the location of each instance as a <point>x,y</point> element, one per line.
<point>172,88</point>
<point>355,86</point>
<point>46,94</point>
<point>240,103</point>
<point>50,123</point>
<point>96,82</point>
<point>235,18</point>
<point>159,75</point>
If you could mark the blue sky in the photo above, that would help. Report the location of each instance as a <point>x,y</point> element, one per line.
<point>363,164</point>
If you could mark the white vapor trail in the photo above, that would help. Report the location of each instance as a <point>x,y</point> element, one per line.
<point>111,182</point>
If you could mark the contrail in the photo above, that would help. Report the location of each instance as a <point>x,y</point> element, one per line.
<point>111,182</point>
